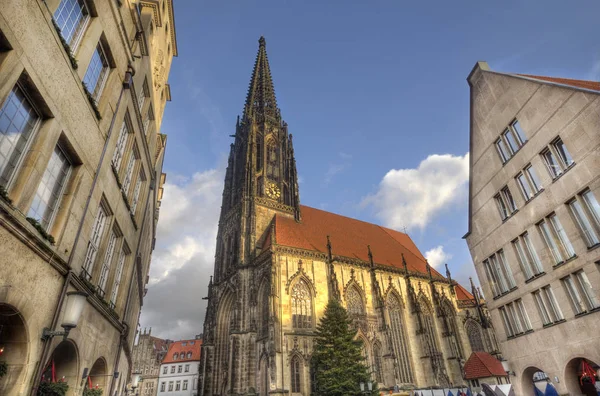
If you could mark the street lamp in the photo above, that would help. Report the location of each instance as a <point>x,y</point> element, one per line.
<point>506,367</point>
<point>135,380</point>
<point>73,310</point>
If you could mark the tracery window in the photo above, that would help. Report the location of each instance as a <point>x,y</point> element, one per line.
<point>453,335</point>
<point>296,367</point>
<point>399,340</point>
<point>259,153</point>
<point>273,161</point>
<point>301,306</point>
<point>377,362</point>
<point>475,337</point>
<point>264,316</point>
<point>354,302</point>
<point>429,344</point>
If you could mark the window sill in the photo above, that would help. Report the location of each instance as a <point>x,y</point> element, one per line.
<point>515,153</point>
<point>585,313</point>
<point>590,248</point>
<point>568,168</point>
<point>519,335</point>
<point>536,276</point>
<point>534,196</point>
<point>499,296</point>
<point>504,220</point>
<point>554,323</point>
<point>558,265</point>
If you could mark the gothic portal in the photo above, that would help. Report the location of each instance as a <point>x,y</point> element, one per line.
<point>278,263</point>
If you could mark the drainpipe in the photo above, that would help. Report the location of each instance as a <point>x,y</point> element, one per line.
<point>47,343</point>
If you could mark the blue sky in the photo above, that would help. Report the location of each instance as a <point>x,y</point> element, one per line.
<point>369,89</point>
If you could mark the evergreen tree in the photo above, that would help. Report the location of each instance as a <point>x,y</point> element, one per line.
<point>337,362</point>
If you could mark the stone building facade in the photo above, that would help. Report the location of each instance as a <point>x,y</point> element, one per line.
<point>278,263</point>
<point>534,220</point>
<point>148,353</point>
<point>83,87</point>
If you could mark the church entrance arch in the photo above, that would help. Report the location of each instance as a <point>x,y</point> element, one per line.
<point>581,374</point>
<point>13,349</point>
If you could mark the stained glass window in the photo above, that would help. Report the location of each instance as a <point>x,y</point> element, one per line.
<point>475,336</point>
<point>301,306</point>
<point>354,302</point>
<point>399,340</point>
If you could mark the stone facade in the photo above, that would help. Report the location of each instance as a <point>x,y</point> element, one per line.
<point>269,291</point>
<point>82,93</point>
<point>148,354</point>
<point>537,256</point>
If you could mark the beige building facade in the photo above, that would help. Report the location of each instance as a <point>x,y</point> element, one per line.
<point>148,353</point>
<point>278,263</point>
<point>83,87</point>
<point>534,221</point>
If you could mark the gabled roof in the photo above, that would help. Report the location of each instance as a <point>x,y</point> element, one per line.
<point>186,350</point>
<point>349,238</point>
<point>592,85</point>
<point>463,294</point>
<point>483,365</point>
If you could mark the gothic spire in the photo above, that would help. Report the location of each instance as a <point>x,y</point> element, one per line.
<point>261,93</point>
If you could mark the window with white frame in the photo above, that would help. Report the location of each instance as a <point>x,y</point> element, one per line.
<point>547,305</point>
<point>556,239</point>
<point>97,72</point>
<point>18,121</point>
<point>72,17</point>
<point>94,242</point>
<point>528,182</point>
<point>187,368</point>
<point>131,165</point>
<point>165,370</point>
<point>557,158</point>
<point>162,385</point>
<point>499,274</point>
<point>505,203</point>
<point>177,385</point>
<point>121,143</point>
<point>515,318</point>
<point>185,385</point>
<point>527,256</point>
<point>51,188</point>
<point>172,369</point>
<point>118,275</point>
<point>179,368</point>
<point>170,386</point>
<point>586,211</point>
<point>580,292</point>
<point>510,141</point>
<point>136,191</point>
<point>108,257</point>
<point>143,93</point>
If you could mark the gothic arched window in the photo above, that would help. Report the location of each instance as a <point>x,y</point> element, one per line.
<point>429,341</point>
<point>452,330</point>
<point>301,306</point>
<point>377,362</point>
<point>296,368</point>
<point>354,302</point>
<point>399,340</point>
<point>475,337</point>
<point>259,153</point>
<point>272,161</point>
<point>264,314</point>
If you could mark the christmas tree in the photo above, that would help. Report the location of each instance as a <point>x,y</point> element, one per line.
<point>338,365</point>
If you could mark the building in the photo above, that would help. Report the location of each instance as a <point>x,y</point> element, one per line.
<point>278,263</point>
<point>148,354</point>
<point>83,87</point>
<point>534,220</point>
<point>179,369</point>
<point>483,368</point>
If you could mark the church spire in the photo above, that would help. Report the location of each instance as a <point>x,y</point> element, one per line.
<point>261,92</point>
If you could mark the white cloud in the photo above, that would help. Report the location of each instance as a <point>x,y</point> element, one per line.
<point>437,257</point>
<point>412,197</point>
<point>337,167</point>
<point>184,257</point>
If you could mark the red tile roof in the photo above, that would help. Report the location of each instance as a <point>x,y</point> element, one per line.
<point>158,343</point>
<point>349,238</point>
<point>179,348</point>
<point>593,85</point>
<point>463,294</point>
<point>483,365</point>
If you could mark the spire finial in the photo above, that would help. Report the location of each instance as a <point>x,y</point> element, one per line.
<point>262,42</point>
<point>428,268</point>
<point>261,93</point>
<point>448,275</point>
<point>370,255</point>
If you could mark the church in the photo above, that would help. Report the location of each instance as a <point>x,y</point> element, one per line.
<point>278,263</point>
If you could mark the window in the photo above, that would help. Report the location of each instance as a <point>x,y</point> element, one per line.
<point>296,367</point>
<point>547,305</point>
<point>354,302</point>
<point>399,339</point>
<point>149,116</point>
<point>51,187</point>
<point>117,281</point>
<point>510,141</point>
<point>143,93</point>
<point>18,120</point>
<point>528,258</point>
<point>136,191</point>
<point>474,332</point>
<point>557,158</point>
<point>121,144</point>
<point>528,183</point>
<point>72,17</point>
<point>97,72</point>
<point>273,161</point>
<point>556,239</point>
<point>187,368</point>
<point>505,202</point>
<point>179,368</point>
<point>499,274</point>
<point>185,385</point>
<point>515,318</point>
<point>189,355</point>
<point>172,369</point>
<point>178,385</point>
<point>165,369</point>
<point>580,292</point>
<point>586,211</point>
<point>162,384</point>
<point>170,386</point>
<point>301,306</point>
<point>131,164</point>
<point>110,249</point>
<point>94,243</point>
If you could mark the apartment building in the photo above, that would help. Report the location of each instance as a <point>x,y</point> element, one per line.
<point>534,221</point>
<point>179,369</point>
<point>83,88</point>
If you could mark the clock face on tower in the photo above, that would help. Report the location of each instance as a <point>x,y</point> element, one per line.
<point>272,191</point>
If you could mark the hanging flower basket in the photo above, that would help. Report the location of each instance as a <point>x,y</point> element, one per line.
<point>52,389</point>
<point>92,392</point>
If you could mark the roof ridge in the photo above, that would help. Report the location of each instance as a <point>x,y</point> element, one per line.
<point>589,85</point>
